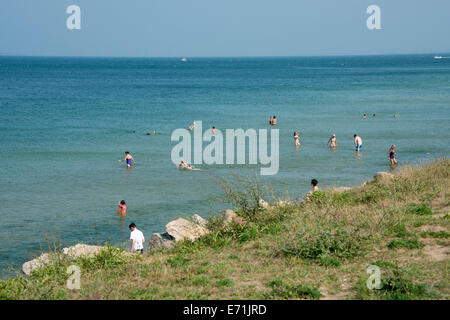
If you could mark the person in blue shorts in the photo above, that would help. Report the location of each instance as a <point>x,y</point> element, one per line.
<point>128,158</point>
<point>358,142</point>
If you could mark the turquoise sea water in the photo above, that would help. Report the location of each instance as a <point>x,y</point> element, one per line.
<point>66,121</point>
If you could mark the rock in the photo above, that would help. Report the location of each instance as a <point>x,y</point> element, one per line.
<point>264,204</point>
<point>184,229</point>
<point>341,189</point>
<point>383,175</point>
<point>37,263</point>
<point>82,250</point>
<point>71,252</point>
<point>161,241</point>
<point>199,220</point>
<point>228,216</point>
<point>282,203</point>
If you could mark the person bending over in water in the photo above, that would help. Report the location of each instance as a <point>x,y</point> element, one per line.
<point>358,142</point>
<point>213,130</point>
<point>392,155</point>
<point>192,126</point>
<point>128,158</point>
<point>122,205</point>
<point>332,141</point>
<point>184,165</point>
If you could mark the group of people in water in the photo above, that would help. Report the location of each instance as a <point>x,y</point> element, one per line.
<point>332,143</point>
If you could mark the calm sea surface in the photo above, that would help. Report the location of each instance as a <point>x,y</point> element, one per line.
<point>66,121</point>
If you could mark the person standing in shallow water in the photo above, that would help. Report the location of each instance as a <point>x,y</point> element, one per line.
<point>296,139</point>
<point>392,155</point>
<point>332,141</point>
<point>358,142</point>
<point>123,206</point>
<point>128,158</point>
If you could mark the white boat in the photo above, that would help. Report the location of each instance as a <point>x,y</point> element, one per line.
<point>184,59</point>
<point>438,57</point>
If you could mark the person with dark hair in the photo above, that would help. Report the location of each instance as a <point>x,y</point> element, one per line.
<point>358,142</point>
<point>332,141</point>
<point>137,239</point>
<point>213,130</point>
<point>392,155</point>
<point>296,138</point>
<point>364,116</point>
<point>128,158</point>
<point>274,121</point>
<point>122,205</point>
<point>314,186</point>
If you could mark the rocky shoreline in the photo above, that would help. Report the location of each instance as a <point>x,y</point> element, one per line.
<point>176,230</point>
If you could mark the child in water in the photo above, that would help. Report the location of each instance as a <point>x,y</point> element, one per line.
<point>122,205</point>
<point>128,158</point>
<point>392,155</point>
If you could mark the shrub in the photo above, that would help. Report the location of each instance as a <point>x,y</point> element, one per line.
<point>287,291</point>
<point>405,243</point>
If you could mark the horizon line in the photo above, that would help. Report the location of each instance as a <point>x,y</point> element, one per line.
<point>221,57</point>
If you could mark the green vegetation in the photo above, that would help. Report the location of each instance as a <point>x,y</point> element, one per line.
<point>313,249</point>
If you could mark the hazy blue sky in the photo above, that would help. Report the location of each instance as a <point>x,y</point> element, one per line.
<point>167,28</point>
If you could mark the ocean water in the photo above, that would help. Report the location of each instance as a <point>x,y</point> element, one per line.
<point>66,121</point>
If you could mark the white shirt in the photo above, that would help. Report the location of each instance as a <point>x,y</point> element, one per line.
<point>138,238</point>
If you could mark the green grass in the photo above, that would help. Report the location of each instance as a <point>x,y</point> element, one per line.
<point>314,248</point>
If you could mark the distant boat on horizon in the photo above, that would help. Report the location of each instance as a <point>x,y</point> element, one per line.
<point>438,57</point>
<point>184,59</point>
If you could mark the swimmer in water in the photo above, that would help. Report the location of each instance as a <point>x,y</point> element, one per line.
<point>122,205</point>
<point>296,138</point>
<point>332,141</point>
<point>374,115</point>
<point>274,121</point>
<point>392,155</point>
<point>396,115</point>
<point>151,133</point>
<point>192,126</point>
<point>213,130</point>
<point>364,116</point>
<point>128,158</point>
<point>184,165</point>
<point>358,142</point>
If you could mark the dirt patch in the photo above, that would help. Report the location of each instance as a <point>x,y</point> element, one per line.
<point>433,228</point>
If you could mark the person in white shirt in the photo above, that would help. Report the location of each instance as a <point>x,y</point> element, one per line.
<point>137,239</point>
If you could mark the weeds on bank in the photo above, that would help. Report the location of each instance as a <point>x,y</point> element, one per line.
<point>281,290</point>
<point>396,284</point>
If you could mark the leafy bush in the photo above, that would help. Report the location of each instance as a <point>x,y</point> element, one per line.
<point>287,291</point>
<point>405,243</point>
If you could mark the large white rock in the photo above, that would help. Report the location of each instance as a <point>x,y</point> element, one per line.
<point>71,252</point>
<point>199,220</point>
<point>228,216</point>
<point>82,250</point>
<point>383,175</point>
<point>37,263</point>
<point>161,241</point>
<point>184,229</point>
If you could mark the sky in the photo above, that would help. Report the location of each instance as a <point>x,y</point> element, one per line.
<point>223,28</point>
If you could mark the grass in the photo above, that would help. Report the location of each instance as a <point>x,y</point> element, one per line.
<point>319,248</point>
